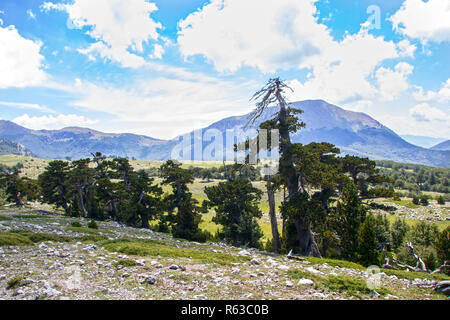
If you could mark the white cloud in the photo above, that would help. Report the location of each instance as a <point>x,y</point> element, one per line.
<point>158,51</point>
<point>406,49</point>
<point>424,112</point>
<point>341,73</point>
<point>121,28</point>
<point>53,122</point>
<point>407,124</point>
<point>444,92</point>
<point>31,14</point>
<point>166,107</point>
<point>393,82</point>
<point>20,105</point>
<point>443,95</point>
<point>427,21</point>
<point>266,35</point>
<point>20,60</point>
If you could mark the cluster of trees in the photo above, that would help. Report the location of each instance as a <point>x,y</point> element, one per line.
<point>416,178</point>
<point>223,172</point>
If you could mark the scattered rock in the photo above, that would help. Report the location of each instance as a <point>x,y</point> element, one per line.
<point>235,270</point>
<point>244,253</point>
<point>305,282</point>
<point>148,280</point>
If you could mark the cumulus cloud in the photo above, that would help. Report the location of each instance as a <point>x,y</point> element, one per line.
<point>21,63</point>
<point>424,20</point>
<point>286,34</point>
<point>393,82</point>
<point>121,28</point>
<point>425,112</point>
<point>51,122</point>
<point>442,95</point>
<point>263,34</point>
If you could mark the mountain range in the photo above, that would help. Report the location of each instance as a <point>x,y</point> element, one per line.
<point>443,146</point>
<point>353,132</point>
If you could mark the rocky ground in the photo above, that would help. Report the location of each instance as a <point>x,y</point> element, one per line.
<point>57,261</point>
<point>432,212</point>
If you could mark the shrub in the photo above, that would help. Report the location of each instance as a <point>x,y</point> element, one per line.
<point>416,200</point>
<point>424,200</point>
<point>92,225</point>
<point>14,283</point>
<point>76,224</point>
<point>125,263</point>
<point>441,200</point>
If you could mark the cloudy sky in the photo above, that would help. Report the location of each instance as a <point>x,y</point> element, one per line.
<point>164,67</point>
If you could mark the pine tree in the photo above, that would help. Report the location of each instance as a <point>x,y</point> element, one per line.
<point>350,217</point>
<point>236,203</point>
<point>367,253</point>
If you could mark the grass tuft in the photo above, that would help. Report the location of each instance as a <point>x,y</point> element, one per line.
<point>125,263</point>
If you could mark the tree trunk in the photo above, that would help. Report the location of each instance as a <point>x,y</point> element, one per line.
<point>273,218</point>
<point>308,246</point>
<point>81,201</point>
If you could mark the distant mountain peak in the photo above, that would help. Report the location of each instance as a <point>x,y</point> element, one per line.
<point>443,146</point>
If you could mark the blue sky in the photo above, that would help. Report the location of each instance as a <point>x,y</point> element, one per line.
<point>163,68</point>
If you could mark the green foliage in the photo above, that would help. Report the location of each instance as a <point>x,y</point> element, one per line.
<point>442,246</point>
<point>423,233</point>
<point>14,283</point>
<point>383,232</point>
<point>92,225</point>
<point>416,200</point>
<point>76,224</point>
<point>441,200</point>
<point>187,221</point>
<point>143,247</point>
<point>236,203</point>
<point>411,275</point>
<point>350,216</point>
<point>399,230</point>
<point>349,286</point>
<point>18,189</point>
<point>11,239</point>
<point>424,200</point>
<point>87,230</point>
<point>367,253</point>
<point>416,178</point>
<point>53,183</point>
<point>22,237</point>
<point>125,263</point>
<point>99,188</point>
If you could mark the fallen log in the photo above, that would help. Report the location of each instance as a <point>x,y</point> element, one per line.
<point>294,257</point>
